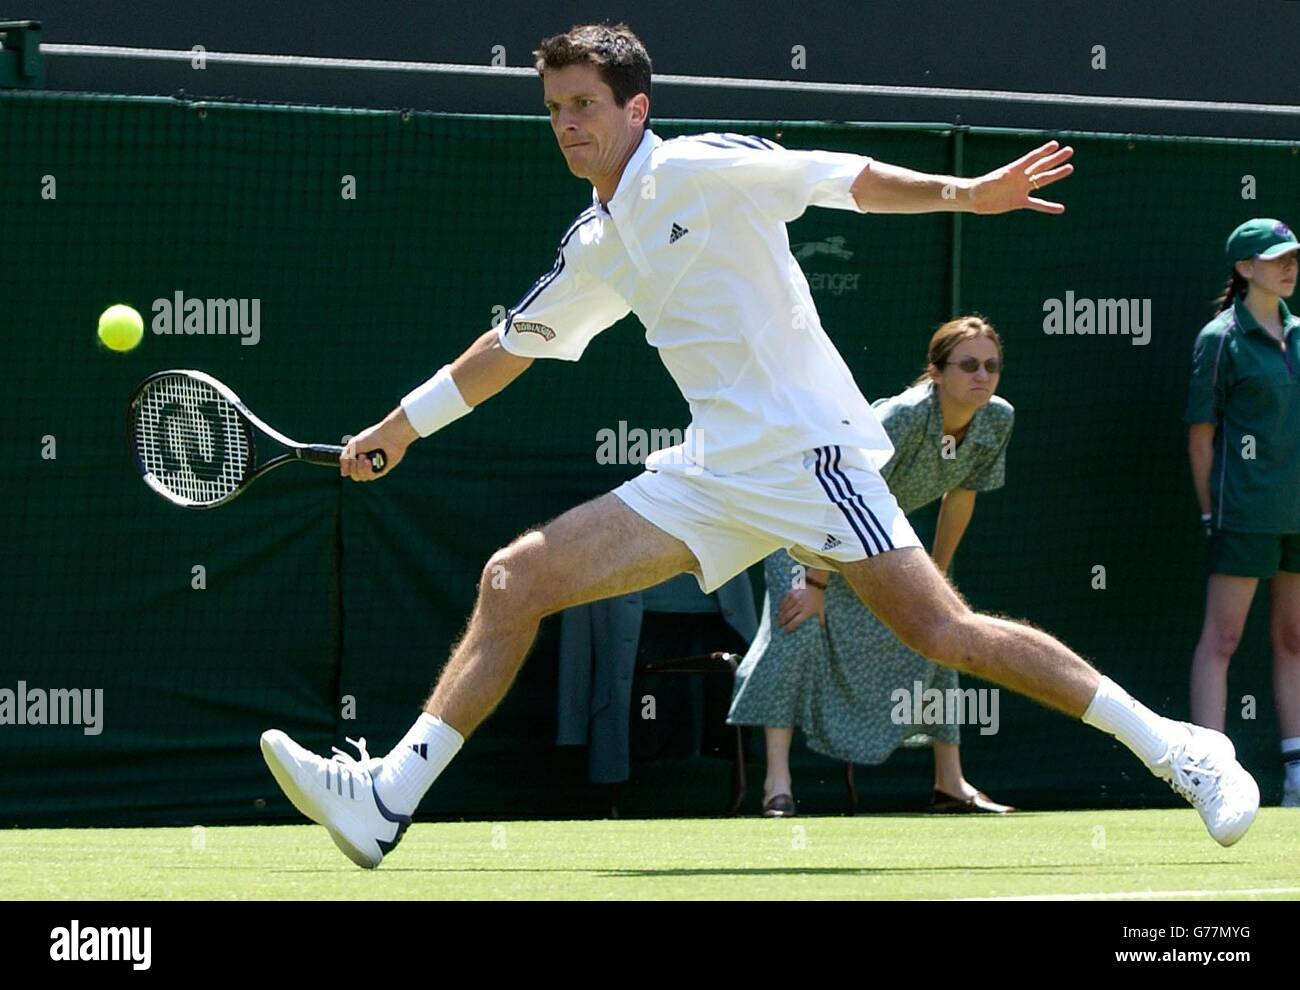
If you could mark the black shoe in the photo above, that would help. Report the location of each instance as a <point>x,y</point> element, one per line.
<point>779,806</point>
<point>981,804</point>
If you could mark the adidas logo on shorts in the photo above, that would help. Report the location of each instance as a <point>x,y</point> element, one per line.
<point>677,232</point>
<point>832,542</point>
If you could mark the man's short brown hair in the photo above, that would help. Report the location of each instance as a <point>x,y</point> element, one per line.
<point>616,52</point>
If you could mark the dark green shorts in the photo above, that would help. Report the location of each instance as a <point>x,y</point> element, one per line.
<point>1257,555</point>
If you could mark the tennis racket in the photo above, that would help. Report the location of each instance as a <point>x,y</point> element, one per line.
<point>195,442</point>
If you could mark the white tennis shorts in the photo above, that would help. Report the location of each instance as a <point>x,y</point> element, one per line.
<point>828,504</point>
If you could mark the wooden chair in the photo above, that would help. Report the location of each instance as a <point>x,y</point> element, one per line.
<point>704,665</point>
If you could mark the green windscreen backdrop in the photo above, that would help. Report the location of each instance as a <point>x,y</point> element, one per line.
<point>376,247</point>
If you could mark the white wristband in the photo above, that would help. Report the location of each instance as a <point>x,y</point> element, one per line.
<point>435,403</point>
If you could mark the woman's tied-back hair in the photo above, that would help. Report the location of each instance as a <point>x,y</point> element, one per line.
<point>952,333</point>
<point>616,52</point>
<point>1235,289</point>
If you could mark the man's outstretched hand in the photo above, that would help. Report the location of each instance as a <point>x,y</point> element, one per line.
<point>1014,186</point>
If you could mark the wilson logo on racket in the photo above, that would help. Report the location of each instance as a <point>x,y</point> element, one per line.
<point>195,442</point>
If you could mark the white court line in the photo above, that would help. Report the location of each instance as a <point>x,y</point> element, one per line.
<point>1138,895</point>
<point>668,79</point>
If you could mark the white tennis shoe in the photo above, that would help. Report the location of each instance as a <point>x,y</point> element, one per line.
<point>338,793</point>
<point>1205,771</point>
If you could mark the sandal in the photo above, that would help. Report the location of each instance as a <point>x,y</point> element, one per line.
<point>779,806</point>
<point>945,804</point>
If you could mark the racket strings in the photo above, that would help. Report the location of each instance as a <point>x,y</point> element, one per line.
<point>191,440</point>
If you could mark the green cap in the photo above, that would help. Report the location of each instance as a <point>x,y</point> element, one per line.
<point>1261,238</point>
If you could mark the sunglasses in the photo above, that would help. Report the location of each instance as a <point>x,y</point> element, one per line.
<point>971,365</point>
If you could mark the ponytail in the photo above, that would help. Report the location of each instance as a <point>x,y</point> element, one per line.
<point>1235,288</point>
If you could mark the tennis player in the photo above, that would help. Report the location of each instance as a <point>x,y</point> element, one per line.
<point>784,451</point>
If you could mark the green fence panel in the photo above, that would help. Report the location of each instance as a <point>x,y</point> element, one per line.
<point>378,245</point>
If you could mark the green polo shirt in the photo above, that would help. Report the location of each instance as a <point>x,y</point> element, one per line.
<point>1248,386</point>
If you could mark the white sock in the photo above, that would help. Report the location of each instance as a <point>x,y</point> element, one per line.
<point>1148,735</point>
<point>415,762</point>
<point>1291,760</point>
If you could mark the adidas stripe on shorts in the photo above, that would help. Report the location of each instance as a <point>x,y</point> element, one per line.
<point>826,504</point>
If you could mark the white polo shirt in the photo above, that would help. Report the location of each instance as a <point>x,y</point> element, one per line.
<point>694,242</point>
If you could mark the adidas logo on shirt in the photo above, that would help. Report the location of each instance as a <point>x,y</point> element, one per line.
<point>678,231</point>
<point>832,541</point>
<point>422,749</point>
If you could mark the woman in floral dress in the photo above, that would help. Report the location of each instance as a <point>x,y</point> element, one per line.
<point>837,677</point>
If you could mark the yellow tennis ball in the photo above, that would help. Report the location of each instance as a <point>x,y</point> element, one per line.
<point>120,328</point>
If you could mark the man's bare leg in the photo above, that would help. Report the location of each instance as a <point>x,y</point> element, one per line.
<point>597,550</point>
<point>911,596</point>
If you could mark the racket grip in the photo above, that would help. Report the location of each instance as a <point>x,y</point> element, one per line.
<point>327,454</point>
<point>324,454</point>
